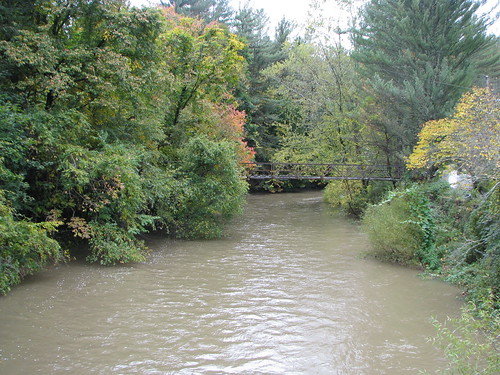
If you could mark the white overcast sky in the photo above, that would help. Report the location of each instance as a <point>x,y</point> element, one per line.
<point>297,10</point>
<point>275,9</point>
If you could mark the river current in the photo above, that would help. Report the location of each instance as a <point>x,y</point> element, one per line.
<point>286,292</point>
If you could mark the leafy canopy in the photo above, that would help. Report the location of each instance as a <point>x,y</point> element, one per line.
<point>469,139</point>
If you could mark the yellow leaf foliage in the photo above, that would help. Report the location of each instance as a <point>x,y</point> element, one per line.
<point>469,139</point>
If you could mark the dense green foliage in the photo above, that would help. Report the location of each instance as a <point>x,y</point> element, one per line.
<point>114,121</point>
<point>24,246</point>
<point>400,228</point>
<point>212,189</point>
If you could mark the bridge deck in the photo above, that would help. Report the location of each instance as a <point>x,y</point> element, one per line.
<point>318,171</point>
<point>325,178</point>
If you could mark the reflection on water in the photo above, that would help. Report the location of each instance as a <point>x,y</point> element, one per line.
<point>285,293</point>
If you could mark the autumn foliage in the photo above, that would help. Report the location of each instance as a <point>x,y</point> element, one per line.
<point>113,121</point>
<point>232,123</point>
<point>469,140</point>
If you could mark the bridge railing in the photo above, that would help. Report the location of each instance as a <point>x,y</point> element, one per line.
<point>317,171</point>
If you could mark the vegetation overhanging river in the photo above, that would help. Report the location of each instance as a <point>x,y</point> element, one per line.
<point>286,292</point>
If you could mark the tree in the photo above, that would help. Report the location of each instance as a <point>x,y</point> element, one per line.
<point>260,52</point>
<point>318,122</point>
<point>212,188</point>
<point>417,58</point>
<point>25,247</point>
<point>468,140</point>
<point>90,96</point>
<point>205,66</point>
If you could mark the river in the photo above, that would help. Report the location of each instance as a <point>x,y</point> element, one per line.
<point>287,292</point>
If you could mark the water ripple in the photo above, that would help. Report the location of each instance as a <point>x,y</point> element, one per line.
<point>286,293</point>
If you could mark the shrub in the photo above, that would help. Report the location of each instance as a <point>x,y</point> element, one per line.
<point>25,247</point>
<point>212,188</point>
<point>111,244</point>
<point>350,196</point>
<point>470,341</point>
<point>473,259</point>
<point>395,237</point>
<point>353,197</point>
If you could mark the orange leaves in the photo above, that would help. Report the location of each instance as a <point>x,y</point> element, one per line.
<point>231,126</point>
<point>232,120</point>
<point>80,227</point>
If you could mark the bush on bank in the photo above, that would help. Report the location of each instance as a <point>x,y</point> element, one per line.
<point>24,247</point>
<point>394,228</point>
<point>450,232</point>
<point>212,189</point>
<point>353,197</point>
<point>454,234</point>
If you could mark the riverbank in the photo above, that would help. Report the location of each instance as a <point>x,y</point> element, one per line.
<point>452,233</point>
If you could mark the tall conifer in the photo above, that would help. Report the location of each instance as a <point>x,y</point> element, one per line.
<point>261,52</point>
<point>418,57</point>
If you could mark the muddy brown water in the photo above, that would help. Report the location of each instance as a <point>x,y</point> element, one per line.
<point>286,292</point>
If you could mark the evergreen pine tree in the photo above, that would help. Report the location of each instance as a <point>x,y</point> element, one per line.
<point>418,57</point>
<point>261,52</point>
